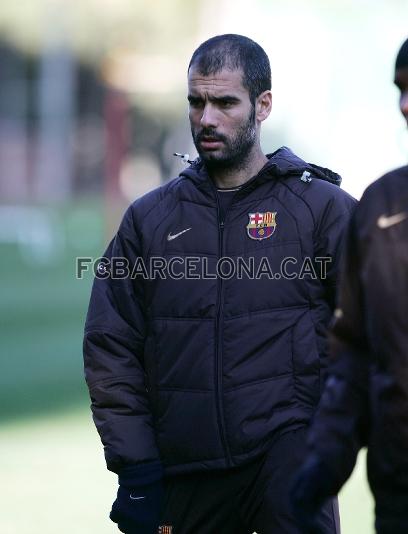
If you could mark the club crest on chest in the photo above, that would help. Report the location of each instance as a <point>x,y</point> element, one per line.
<point>261,225</point>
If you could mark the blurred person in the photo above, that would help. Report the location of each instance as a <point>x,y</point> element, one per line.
<point>202,385</point>
<point>365,402</point>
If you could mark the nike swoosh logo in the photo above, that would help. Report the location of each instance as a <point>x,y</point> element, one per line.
<point>386,222</point>
<point>171,236</point>
<point>136,498</point>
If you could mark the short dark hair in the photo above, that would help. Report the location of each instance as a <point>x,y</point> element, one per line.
<point>402,56</point>
<point>233,52</point>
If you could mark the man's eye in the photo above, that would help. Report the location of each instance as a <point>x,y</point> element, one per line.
<point>195,103</point>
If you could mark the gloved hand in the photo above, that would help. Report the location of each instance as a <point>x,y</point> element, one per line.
<point>312,485</point>
<point>140,499</point>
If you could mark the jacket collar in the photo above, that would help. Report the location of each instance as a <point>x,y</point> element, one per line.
<point>281,164</point>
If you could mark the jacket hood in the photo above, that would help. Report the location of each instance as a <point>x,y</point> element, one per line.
<point>283,162</point>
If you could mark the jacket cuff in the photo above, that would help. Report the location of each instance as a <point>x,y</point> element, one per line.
<point>142,474</point>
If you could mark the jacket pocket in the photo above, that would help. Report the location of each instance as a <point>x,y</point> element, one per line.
<point>306,360</point>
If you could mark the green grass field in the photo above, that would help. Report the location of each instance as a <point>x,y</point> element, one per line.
<point>42,311</point>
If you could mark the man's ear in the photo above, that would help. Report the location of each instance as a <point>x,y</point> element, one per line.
<point>263,105</point>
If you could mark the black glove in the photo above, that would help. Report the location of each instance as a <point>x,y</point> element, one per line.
<point>140,499</point>
<point>312,485</point>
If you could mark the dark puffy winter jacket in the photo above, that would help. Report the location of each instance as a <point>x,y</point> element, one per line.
<point>366,397</point>
<point>203,372</point>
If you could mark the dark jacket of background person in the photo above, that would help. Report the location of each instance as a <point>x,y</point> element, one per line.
<point>366,396</point>
<point>202,373</point>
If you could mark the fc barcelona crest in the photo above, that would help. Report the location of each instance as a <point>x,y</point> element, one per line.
<point>261,225</point>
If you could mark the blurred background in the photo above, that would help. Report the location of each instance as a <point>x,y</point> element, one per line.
<point>92,106</point>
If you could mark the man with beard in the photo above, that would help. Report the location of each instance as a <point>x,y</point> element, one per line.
<point>202,383</point>
<point>365,402</point>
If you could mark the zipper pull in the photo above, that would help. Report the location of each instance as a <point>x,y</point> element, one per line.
<point>184,157</point>
<point>306,177</point>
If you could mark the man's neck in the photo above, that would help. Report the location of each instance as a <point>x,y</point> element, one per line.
<point>236,176</point>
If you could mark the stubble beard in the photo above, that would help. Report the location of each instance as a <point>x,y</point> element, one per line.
<point>236,151</point>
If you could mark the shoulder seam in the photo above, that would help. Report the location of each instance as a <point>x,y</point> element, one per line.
<point>302,199</point>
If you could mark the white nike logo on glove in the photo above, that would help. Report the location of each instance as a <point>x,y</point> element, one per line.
<point>170,237</point>
<point>386,222</point>
<point>136,498</point>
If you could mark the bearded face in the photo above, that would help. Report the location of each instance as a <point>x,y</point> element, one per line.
<point>222,118</point>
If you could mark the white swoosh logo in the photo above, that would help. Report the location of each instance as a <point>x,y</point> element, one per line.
<point>170,237</point>
<point>136,498</point>
<point>386,222</point>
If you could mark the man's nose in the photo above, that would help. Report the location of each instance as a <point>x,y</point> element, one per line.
<point>404,103</point>
<point>208,118</point>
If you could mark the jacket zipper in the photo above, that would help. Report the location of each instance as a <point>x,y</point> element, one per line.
<point>218,331</point>
<point>218,341</point>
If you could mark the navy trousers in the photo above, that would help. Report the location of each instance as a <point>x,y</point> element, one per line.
<point>246,499</point>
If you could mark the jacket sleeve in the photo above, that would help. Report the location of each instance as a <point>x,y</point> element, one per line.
<point>113,356</point>
<point>329,241</point>
<point>340,426</point>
